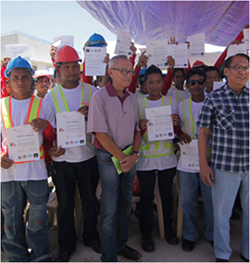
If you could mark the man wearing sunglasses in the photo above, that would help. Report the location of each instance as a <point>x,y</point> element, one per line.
<point>190,181</point>
<point>114,119</point>
<point>225,118</point>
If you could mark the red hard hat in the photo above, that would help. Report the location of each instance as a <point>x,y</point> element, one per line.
<point>66,54</point>
<point>199,63</point>
<point>42,73</point>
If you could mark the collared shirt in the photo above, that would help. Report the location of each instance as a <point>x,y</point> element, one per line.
<point>227,116</point>
<point>118,117</point>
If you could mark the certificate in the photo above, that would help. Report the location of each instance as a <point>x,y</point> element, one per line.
<point>70,129</point>
<point>13,50</point>
<point>197,45</point>
<point>234,49</point>
<point>94,65</point>
<point>190,156</point>
<point>23,144</point>
<point>60,41</point>
<point>160,125</point>
<point>180,55</point>
<point>246,37</point>
<point>157,52</point>
<point>123,43</point>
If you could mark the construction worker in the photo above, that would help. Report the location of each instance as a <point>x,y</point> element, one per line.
<point>24,180</point>
<point>75,165</point>
<point>42,82</point>
<point>155,157</point>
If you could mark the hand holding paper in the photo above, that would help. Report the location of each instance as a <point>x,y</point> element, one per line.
<point>127,163</point>
<point>56,152</point>
<point>39,124</point>
<point>84,110</point>
<point>6,162</point>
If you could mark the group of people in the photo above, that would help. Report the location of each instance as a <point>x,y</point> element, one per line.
<point>116,127</point>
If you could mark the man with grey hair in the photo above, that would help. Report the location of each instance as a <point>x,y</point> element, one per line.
<point>114,120</point>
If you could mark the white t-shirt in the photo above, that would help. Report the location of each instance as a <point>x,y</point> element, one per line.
<point>196,108</point>
<point>32,170</point>
<point>73,98</point>
<point>162,162</point>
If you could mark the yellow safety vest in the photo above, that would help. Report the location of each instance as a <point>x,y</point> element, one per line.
<point>189,121</point>
<point>61,103</point>
<point>178,95</point>
<point>155,148</point>
<point>188,118</point>
<point>33,113</point>
<point>139,95</point>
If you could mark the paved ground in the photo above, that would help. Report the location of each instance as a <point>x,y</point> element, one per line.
<point>203,251</point>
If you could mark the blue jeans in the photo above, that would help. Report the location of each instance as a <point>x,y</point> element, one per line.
<point>14,200</point>
<point>224,191</point>
<point>189,187</point>
<point>116,197</point>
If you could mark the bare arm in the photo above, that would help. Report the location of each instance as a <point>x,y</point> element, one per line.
<point>205,171</point>
<point>105,78</point>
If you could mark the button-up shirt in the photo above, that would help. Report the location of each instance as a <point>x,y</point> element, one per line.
<point>227,116</point>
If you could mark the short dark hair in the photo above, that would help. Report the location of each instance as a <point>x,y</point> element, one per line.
<point>210,68</point>
<point>228,61</point>
<point>195,71</point>
<point>151,70</point>
<point>177,69</point>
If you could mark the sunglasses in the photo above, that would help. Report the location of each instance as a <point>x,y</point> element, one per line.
<point>193,82</point>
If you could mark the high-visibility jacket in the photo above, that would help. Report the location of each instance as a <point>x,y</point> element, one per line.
<point>154,148</point>
<point>178,96</point>
<point>139,95</point>
<point>188,118</point>
<point>33,113</point>
<point>62,106</point>
<point>189,123</point>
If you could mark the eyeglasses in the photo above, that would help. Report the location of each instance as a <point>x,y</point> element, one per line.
<point>239,68</point>
<point>193,82</point>
<point>125,72</point>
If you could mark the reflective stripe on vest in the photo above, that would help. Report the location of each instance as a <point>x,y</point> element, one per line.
<point>155,148</point>
<point>139,95</point>
<point>188,118</point>
<point>189,121</point>
<point>33,113</point>
<point>62,105</point>
<point>177,92</point>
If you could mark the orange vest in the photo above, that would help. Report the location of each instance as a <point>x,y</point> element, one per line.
<point>33,113</point>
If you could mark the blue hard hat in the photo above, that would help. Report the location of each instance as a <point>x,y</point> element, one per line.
<point>142,71</point>
<point>97,40</point>
<point>18,62</point>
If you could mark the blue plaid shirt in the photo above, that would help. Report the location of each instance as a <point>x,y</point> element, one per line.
<point>227,116</point>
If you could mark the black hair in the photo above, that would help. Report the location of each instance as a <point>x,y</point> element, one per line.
<point>195,71</point>
<point>151,70</point>
<point>211,68</point>
<point>228,61</point>
<point>177,69</point>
